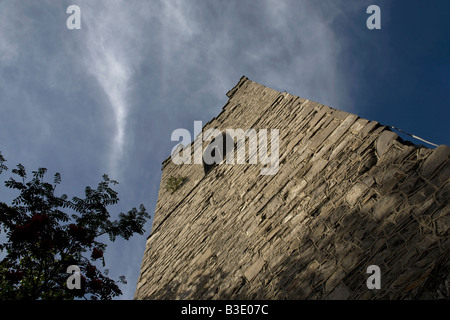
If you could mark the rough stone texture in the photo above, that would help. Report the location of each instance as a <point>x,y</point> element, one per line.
<point>349,193</point>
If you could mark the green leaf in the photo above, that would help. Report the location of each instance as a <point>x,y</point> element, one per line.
<point>42,239</point>
<point>2,166</point>
<point>57,178</point>
<point>122,279</point>
<point>20,171</point>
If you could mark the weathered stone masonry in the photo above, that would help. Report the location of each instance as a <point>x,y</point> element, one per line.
<point>349,193</point>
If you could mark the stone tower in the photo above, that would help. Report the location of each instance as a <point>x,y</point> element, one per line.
<point>349,193</point>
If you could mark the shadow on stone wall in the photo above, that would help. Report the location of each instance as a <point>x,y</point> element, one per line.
<point>334,266</point>
<point>394,214</point>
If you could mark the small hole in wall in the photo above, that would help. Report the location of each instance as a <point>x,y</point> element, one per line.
<point>216,151</point>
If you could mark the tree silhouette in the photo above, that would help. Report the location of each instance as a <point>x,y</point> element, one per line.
<point>47,233</point>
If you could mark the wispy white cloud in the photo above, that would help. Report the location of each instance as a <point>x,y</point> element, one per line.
<point>115,40</point>
<point>111,35</point>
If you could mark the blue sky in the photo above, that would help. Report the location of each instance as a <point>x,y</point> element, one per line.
<point>106,98</point>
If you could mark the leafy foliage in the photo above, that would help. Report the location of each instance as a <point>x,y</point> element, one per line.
<point>44,239</point>
<point>174,183</point>
<point>2,163</point>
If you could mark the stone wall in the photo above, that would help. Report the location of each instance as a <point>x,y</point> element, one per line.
<point>349,193</point>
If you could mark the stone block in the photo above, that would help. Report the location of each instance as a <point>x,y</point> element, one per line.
<point>254,269</point>
<point>341,147</point>
<point>408,276</point>
<point>443,194</point>
<point>384,141</point>
<point>317,167</point>
<point>200,259</point>
<point>341,292</point>
<point>386,205</point>
<point>412,184</point>
<point>358,125</point>
<point>350,261</point>
<point>273,207</point>
<point>435,160</point>
<point>355,193</point>
<point>368,128</point>
<point>342,128</point>
<point>443,225</point>
<point>442,176</point>
<point>320,137</point>
<point>333,280</point>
